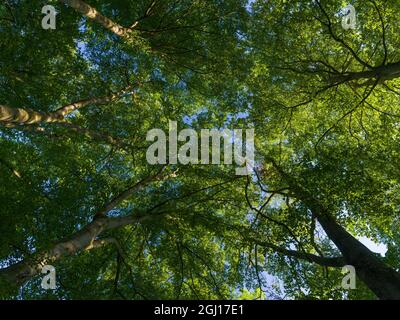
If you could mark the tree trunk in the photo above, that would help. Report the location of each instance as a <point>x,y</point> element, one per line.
<point>90,12</point>
<point>17,274</point>
<point>384,73</point>
<point>381,279</point>
<point>29,116</point>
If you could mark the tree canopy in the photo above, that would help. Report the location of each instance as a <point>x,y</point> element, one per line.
<point>76,189</point>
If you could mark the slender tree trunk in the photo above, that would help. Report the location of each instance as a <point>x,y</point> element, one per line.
<point>26,116</point>
<point>90,12</point>
<point>29,116</point>
<point>17,274</point>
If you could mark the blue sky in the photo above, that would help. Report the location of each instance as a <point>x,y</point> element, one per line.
<point>373,246</point>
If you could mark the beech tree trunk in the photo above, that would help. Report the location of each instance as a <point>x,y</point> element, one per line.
<point>380,278</point>
<point>29,116</point>
<point>19,273</point>
<point>90,12</point>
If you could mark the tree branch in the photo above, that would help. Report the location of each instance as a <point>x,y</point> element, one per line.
<point>322,261</point>
<point>28,116</point>
<point>90,12</point>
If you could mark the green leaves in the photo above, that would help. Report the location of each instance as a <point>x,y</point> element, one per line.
<point>323,102</point>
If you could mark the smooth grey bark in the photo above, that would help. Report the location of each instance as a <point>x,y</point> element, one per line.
<point>28,116</point>
<point>93,14</point>
<point>17,274</point>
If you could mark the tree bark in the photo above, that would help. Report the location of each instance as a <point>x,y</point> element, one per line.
<point>383,73</point>
<point>381,279</point>
<point>17,274</point>
<point>96,16</point>
<point>29,116</point>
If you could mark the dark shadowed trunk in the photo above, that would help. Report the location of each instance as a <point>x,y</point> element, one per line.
<point>381,279</point>
<point>383,73</point>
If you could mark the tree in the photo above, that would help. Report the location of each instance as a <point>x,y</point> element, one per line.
<point>83,98</point>
<point>325,94</point>
<point>77,102</point>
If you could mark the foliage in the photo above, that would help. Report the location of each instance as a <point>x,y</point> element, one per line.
<point>323,102</point>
